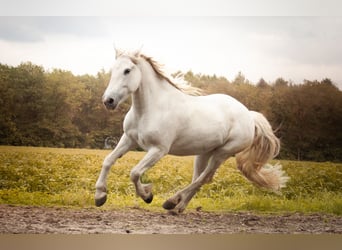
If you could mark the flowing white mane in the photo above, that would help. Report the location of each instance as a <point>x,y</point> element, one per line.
<point>178,81</point>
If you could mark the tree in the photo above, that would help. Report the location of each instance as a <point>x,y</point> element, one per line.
<point>280,82</point>
<point>262,83</point>
<point>240,79</point>
<point>24,102</point>
<point>308,117</point>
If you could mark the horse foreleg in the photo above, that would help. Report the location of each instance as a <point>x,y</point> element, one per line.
<point>145,190</point>
<point>124,145</point>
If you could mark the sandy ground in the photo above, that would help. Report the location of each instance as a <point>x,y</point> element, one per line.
<point>42,220</point>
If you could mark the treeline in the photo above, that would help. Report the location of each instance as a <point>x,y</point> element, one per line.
<point>307,116</point>
<point>54,109</point>
<point>58,109</point>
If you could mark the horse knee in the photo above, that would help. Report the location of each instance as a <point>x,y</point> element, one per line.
<point>107,164</point>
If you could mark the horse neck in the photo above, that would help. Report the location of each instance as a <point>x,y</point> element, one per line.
<point>153,91</point>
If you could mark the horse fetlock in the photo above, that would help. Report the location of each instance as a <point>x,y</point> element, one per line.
<point>147,188</point>
<point>101,187</point>
<point>134,176</point>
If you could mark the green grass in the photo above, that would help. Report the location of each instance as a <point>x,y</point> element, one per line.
<point>66,177</point>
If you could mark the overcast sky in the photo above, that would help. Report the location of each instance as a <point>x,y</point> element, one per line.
<point>294,48</point>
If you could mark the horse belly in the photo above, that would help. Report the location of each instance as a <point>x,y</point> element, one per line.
<point>190,149</point>
<point>194,141</point>
<point>207,125</point>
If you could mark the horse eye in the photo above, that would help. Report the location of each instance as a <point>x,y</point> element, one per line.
<point>126,72</point>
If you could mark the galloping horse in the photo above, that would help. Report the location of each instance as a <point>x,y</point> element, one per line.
<point>168,118</point>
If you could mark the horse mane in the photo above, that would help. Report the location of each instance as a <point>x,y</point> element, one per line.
<point>177,82</point>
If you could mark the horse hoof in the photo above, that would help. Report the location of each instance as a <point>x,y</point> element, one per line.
<point>149,199</point>
<point>168,205</point>
<point>100,201</point>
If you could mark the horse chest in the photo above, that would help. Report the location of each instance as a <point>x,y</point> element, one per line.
<point>145,134</point>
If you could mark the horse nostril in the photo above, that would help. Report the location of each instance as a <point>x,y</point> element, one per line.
<point>109,103</point>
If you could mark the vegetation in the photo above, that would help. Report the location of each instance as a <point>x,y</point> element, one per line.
<point>58,109</point>
<point>66,177</point>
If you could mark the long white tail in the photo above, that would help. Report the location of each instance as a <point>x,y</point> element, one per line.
<point>252,161</point>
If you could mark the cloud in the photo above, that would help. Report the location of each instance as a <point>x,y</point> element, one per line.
<point>269,47</point>
<point>36,29</point>
<point>18,29</point>
<point>302,40</point>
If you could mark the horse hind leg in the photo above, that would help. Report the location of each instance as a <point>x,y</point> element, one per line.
<point>201,162</point>
<point>180,200</point>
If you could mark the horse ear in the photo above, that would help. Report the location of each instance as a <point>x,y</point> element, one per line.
<point>137,53</point>
<point>118,52</point>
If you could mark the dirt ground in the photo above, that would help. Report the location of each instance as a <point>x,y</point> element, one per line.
<point>42,220</point>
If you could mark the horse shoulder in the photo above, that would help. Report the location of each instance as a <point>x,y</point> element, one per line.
<point>130,126</point>
<point>147,131</point>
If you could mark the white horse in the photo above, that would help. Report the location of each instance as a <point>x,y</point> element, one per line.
<point>166,119</point>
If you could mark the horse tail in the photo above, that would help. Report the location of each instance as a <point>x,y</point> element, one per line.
<point>252,161</point>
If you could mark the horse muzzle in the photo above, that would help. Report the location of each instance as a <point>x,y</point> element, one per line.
<point>110,103</point>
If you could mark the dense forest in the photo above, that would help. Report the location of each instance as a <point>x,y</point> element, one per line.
<point>55,108</point>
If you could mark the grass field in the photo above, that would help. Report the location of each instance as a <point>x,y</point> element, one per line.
<point>66,177</point>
